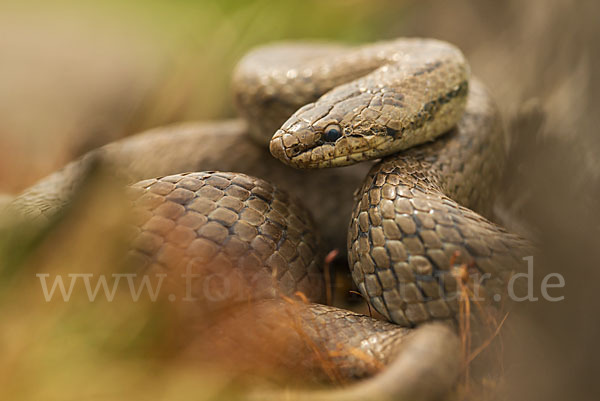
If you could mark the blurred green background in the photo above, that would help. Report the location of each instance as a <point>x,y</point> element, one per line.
<point>76,74</point>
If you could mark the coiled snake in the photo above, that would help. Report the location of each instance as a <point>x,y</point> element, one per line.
<point>412,226</point>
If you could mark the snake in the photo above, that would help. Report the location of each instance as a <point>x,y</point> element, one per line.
<point>393,140</point>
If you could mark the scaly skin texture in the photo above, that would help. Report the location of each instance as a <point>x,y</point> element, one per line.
<point>226,227</point>
<point>243,240</point>
<point>411,229</point>
<point>328,342</point>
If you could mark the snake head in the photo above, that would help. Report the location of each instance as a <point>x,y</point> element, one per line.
<point>329,142</point>
<point>360,121</point>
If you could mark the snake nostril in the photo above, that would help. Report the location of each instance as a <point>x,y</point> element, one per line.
<point>294,150</point>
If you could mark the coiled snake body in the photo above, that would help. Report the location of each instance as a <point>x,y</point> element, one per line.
<point>412,225</point>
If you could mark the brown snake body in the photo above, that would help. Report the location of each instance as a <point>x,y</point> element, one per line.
<point>412,227</point>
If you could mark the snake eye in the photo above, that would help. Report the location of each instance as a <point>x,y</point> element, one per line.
<point>332,133</point>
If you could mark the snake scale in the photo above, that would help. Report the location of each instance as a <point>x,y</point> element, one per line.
<point>416,219</point>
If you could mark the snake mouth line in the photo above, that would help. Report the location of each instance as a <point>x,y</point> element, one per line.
<point>338,161</point>
<point>319,154</point>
